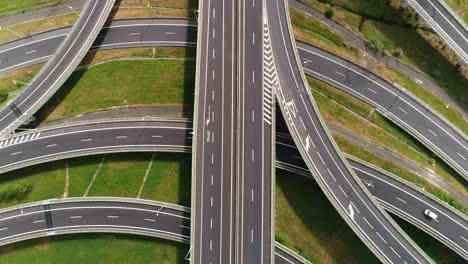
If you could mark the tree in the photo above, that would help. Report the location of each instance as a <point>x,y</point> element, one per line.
<point>329,13</point>
<point>3,94</point>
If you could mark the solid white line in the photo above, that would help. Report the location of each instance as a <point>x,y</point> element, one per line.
<point>75,217</point>
<point>395,252</point>
<point>381,237</point>
<point>38,221</point>
<point>403,201</point>
<point>149,220</point>
<point>52,145</point>
<point>368,222</point>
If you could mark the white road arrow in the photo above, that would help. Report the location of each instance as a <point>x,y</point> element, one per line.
<point>351,211</point>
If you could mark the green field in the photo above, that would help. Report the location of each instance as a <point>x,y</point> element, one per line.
<point>96,249</point>
<point>11,7</point>
<point>121,84</point>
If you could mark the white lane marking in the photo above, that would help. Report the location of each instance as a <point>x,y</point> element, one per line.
<point>401,109</point>
<point>395,252</point>
<point>251,235</point>
<point>75,217</point>
<point>149,220</point>
<point>339,73</point>
<point>253,155</point>
<point>85,140</point>
<point>38,221</point>
<point>253,116</point>
<point>342,191</point>
<point>381,237</point>
<point>212,95</point>
<point>355,207</point>
<point>211,201</point>
<point>212,158</point>
<point>466,240</point>
<point>5,228</point>
<point>211,223</point>
<point>211,179</point>
<point>253,76</point>
<point>320,156</point>
<point>368,222</point>
<point>213,74</point>
<point>350,207</point>
<point>213,54</point>
<point>51,145</point>
<point>135,33</point>
<point>121,137</point>
<point>461,156</point>
<point>331,174</point>
<point>212,137</point>
<point>302,122</point>
<point>403,201</point>
<point>253,38</point>
<point>213,34</point>
<point>432,132</point>
<point>186,227</point>
<point>214,14</point>
<point>371,90</point>
<point>29,52</point>
<point>170,33</point>
<point>211,245</point>
<point>112,216</point>
<point>156,136</point>
<point>16,153</point>
<point>252,194</point>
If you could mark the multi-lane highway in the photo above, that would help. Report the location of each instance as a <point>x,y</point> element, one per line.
<point>340,184</point>
<point>399,106</point>
<point>175,136</point>
<point>105,215</point>
<point>215,127</point>
<point>60,66</point>
<point>446,23</point>
<point>254,227</point>
<point>415,117</point>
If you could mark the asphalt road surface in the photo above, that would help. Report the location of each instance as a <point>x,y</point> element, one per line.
<point>331,171</point>
<point>255,192</point>
<point>88,215</point>
<point>50,78</point>
<point>214,159</point>
<point>170,136</point>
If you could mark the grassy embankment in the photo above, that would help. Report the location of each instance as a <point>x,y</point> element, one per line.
<point>391,38</point>
<point>12,7</point>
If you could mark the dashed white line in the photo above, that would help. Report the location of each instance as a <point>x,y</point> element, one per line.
<point>381,237</point>
<point>29,52</point>
<point>339,73</point>
<point>75,217</point>
<point>211,179</point>
<point>432,132</point>
<point>331,174</point>
<point>253,76</point>
<point>86,140</point>
<point>342,191</point>
<point>214,12</point>
<point>211,245</point>
<point>38,221</point>
<point>368,223</point>
<point>5,228</point>
<point>135,33</point>
<point>211,201</point>
<point>395,252</point>
<point>149,220</point>
<point>371,90</point>
<point>51,145</point>
<point>213,74</point>
<point>169,33</point>
<point>461,156</point>
<point>466,240</point>
<point>213,54</point>
<point>253,38</point>
<point>320,156</point>
<point>401,200</point>
<point>403,110</point>
<point>16,153</point>
<point>252,194</point>
<point>121,137</point>
<point>211,223</point>
<point>251,236</point>
<point>253,116</point>
<point>214,34</point>
<point>212,158</point>
<point>156,136</point>
<point>112,216</point>
<point>253,154</point>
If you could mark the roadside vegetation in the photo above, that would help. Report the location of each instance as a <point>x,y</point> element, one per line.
<point>331,41</point>
<point>95,248</point>
<point>12,7</point>
<point>460,7</point>
<point>387,28</point>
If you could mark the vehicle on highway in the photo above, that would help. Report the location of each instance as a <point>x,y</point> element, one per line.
<point>430,214</point>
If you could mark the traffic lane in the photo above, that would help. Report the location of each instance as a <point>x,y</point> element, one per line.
<point>369,87</point>
<point>445,20</point>
<point>91,140</point>
<point>356,206</point>
<point>64,58</point>
<point>392,192</point>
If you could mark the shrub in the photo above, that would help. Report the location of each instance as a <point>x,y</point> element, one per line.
<point>3,94</point>
<point>329,13</point>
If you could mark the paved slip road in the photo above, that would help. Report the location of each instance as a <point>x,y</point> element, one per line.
<point>452,30</point>
<point>61,142</point>
<point>214,159</point>
<point>414,117</point>
<point>52,76</point>
<point>342,187</point>
<point>109,215</point>
<point>410,114</point>
<point>255,192</point>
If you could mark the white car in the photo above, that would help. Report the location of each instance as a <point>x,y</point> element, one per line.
<point>430,214</point>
